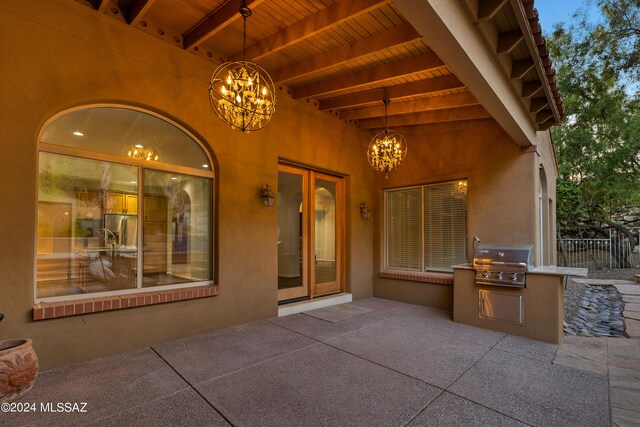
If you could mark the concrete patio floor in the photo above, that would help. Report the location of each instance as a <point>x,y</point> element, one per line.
<point>368,363</point>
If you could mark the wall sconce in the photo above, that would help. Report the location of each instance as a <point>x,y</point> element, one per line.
<point>267,195</point>
<point>365,212</point>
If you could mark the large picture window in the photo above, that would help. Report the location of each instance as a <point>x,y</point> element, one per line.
<point>426,227</point>
<point>124,205</point>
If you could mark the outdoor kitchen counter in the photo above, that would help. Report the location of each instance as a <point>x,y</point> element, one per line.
<point>559,271</point>
<point>541,302</point>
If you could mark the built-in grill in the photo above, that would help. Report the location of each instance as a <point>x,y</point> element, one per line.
<point>503,265</point>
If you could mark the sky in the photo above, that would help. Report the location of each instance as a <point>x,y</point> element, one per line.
<point>552,12</point>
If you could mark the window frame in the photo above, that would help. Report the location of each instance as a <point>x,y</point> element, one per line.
<point>141,166</point>
<point>385,246</point>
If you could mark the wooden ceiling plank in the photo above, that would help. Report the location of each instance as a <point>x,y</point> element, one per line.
<point>543,116</point>
<point>487,9</point>
<point>508,41</point>
<point>137,10</point>
<point>344,54</point>
<point>538,104</point>
<point>308,27</point>
<point>547,124</point>
<point>426,117</point>
<point>420,87</point>
<point>100,6</point>
<point>456,100</point>
<point>368,76</point>
<point>216,21</point>
<point>521,67</point>
<point>531,88</point>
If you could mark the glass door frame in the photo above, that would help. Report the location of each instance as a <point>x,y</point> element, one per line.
<point>299,291</point>
<point>336,285</point>
<point>309,286</point>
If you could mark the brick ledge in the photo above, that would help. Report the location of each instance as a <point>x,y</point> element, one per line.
<point>435,278</point>
<point>54,310</point>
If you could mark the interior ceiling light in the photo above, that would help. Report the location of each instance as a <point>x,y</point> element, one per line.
<point>242,93</point>
<point>139,151</point>
<point>388,148</point>
<point>78,133</point>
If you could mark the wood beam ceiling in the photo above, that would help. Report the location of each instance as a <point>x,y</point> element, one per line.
<point>324,19</point>
<point>340,55</point>
<point>420,87</point>
<point>521,67</point>
<point>538,104</point>
<point>216,21</point>
<point>425,62</point>
<point>531,88</point>
<point>508,41</point>
<point>427,117</point>
<point>487,9</point>
<point>411,106</point>
<point>136,10</point>
<point>100,6</point>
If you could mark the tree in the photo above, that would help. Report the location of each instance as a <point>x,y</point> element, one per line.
<point>598,147</point>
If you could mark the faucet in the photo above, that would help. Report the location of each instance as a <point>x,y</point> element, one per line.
<point>110,236</point>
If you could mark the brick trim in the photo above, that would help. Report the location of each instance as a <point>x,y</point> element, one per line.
<point>53,310</point>
<point>435,278</point>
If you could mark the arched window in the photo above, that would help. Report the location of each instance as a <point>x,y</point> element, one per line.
<point>125,205</point>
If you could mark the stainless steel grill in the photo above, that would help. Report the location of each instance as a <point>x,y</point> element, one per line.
<point>503,265</point>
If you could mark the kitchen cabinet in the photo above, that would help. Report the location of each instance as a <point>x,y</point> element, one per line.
<point>118,203</point>
<point>155,234</point>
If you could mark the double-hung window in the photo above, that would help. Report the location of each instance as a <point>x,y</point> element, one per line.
<point>426,227</point>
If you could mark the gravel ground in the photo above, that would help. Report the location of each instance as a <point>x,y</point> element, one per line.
<point>575,291</point>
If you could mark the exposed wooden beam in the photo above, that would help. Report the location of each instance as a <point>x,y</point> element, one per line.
<point>340,55</point>
<point>538,104</point>
<point>547,124</point>
<point>530,88</point>
<point>508,41</point>
<point>100,5</point>
<point>521,67</point>
<point>383,72</point>
<point>219,19</point>
<point>137,10</point>
<point>435,84</point>
<point>454,100</point>
<point>543,116</point>
<point>487,9</point>
<point>425,117</point>
<point>324,19</point>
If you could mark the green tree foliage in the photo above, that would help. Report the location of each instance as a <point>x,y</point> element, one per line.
<point>598,146</point>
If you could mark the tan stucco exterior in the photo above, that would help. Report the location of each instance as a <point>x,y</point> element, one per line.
<point>56,58</point>
<point>59,60</point>
<point>542,305</point>
<point>502,191</point>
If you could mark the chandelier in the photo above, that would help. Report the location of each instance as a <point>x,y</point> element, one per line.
<point>139,151</point>
<point>388,148</point>
<point>242,93</point>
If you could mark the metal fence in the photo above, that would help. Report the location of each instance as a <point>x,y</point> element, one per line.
<point>614,252</point>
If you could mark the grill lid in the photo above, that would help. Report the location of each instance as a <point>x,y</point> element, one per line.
<point>504,256</point>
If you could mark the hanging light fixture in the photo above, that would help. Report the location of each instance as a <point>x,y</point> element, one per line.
<point>242,93</point>
<point>388,148</point>
<point>139,151</point>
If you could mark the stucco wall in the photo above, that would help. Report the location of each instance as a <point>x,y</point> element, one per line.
<point>501,193</point>
<point>59,55</point>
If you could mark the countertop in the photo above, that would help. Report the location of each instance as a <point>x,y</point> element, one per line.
<point>559,271</point>
<point>543,269</point>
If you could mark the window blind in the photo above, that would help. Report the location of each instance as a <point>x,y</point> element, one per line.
<point>426,227</point>
<point>445,225</point>
<point>404,229</point>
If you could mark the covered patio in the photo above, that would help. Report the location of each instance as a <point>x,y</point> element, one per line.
<point>387,363</point>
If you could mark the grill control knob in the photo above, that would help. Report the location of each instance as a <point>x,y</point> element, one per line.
<point>485,274</point>
<point>499,275</point>
<point>514,276</point>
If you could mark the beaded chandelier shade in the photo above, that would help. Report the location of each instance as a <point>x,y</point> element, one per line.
<point>242,92</point>
<point>139,151</point>
<point>387,149</point>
